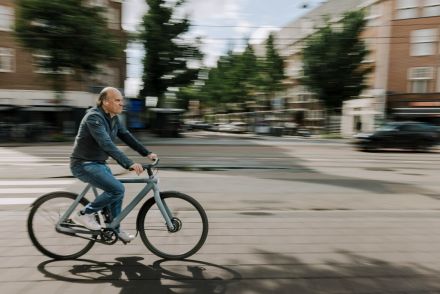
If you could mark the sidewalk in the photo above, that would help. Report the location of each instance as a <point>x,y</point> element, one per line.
<point>264,238</point>
<point>196,138</point>
<point>247,252</point>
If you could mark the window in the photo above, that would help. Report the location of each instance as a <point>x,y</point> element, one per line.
<point>438,80</point>
<point>431,8</point>
<point>420,79</point>
<point>306,26</point>
<point>295,70</point>
<point>6,18</point>
<point>373,14</point>
<point>106,75</point>
<point>423,42</point>
<point>314,114</point>
<point>7,60</point>
<point>101,3</point>
<point>370,58</point>
<point>40,62</point>
<point>406,9</point>
<point>113,18</point>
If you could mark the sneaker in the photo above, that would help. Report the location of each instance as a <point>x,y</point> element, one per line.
<point>125,237</point>
<point>87,220</point>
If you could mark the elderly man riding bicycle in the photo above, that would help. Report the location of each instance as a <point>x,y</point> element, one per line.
<point>94,143</point>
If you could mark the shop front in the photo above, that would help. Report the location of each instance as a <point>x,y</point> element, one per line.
<point>415,107</point>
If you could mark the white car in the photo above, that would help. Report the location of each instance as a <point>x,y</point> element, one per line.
<point>233,127</point>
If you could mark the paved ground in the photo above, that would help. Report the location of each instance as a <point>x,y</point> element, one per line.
<point>247,252</point>
<point>333,221</point>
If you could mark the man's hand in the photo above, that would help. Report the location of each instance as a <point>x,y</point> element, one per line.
<point>152,156</point>
<point>137,167</point>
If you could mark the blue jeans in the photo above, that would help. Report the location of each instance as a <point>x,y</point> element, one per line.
<point>100,176</point>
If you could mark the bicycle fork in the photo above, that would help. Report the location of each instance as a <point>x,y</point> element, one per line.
<point>164,210</point>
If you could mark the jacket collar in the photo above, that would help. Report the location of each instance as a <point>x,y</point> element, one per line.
<point>106,115</point>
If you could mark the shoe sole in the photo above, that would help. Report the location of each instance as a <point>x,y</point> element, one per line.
<point>125,241</point>
<point>81,224</point>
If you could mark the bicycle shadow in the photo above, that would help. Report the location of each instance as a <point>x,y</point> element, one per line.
<point>133,276</point>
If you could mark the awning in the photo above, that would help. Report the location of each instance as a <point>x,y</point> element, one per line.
<point>432,111</point>
<point>7,107</point>
<point>167,110</point>
<point>47,108</point>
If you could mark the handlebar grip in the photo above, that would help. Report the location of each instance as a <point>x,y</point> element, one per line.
<point>150,165</point>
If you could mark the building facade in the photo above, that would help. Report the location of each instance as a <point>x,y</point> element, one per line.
<point>367,112</point>
<point>403,39</point>
<point>414,63</point>
<point>301,106</point>
<point>26,95</point>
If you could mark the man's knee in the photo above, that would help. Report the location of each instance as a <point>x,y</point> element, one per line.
<point>118,192</point>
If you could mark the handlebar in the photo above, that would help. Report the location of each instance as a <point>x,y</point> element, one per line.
<point>149,166</point>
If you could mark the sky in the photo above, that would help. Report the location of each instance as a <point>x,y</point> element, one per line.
<point>222,24</point>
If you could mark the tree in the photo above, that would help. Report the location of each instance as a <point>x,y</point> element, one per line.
<point>218,87</point>
<point>238,77</point>
<point>333,58</point>
<point>247,68</point>
<point>71,35</point>
<point>272,70</point>
<point>166,53</point>
<point>233,81</point>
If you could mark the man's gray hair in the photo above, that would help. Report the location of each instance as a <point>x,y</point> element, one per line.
<point>102,96</point>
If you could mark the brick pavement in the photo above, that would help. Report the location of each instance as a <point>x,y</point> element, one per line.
<point>247,252</point>
<point>280,236</point>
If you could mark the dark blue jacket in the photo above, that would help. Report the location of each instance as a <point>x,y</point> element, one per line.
<point>95,139</point>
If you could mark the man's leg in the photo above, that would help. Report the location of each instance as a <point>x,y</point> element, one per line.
<point>100,176</point>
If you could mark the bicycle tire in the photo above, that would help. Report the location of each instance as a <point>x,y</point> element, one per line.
<point>44,214</point>
<point>151,226</point>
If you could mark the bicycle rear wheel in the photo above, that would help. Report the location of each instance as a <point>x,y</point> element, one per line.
<point>41,224</point>
<point>188,216</point>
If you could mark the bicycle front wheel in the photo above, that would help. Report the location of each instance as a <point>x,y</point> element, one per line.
<point>189,218</point>
<point>42,221</point>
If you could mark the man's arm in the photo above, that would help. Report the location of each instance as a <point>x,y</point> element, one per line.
<point>97,129</point>
<point>131,141</point>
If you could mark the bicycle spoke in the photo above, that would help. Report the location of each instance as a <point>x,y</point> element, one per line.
<point>44,217</point>
<point>189,220</point>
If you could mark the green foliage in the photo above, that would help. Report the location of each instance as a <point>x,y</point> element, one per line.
<point>186,94</point>
<point>72,35</point>
<point>166,53</point>
<point>333,58</point>
<point>272,69</point>
<point>240,77</point>
<point>233,80</point>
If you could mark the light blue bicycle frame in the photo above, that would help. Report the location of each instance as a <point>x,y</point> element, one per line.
<point>151,184</point>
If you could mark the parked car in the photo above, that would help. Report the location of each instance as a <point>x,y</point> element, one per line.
<point>304,133</point>
<point>233,127</point>
<point>262,128</point>
<point>193,125</point>
<point>402,135</point>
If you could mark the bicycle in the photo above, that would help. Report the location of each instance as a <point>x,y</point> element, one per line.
<point>172,225</point>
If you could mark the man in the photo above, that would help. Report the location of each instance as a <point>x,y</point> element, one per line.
<point>94,143</point>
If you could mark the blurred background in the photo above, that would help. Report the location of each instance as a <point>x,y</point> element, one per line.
<point>334,68</point>
<point>259,110</point>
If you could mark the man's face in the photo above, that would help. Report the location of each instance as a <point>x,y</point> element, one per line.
<point>114,104</point>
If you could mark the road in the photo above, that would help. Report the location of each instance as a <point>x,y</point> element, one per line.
<point>286,216</point>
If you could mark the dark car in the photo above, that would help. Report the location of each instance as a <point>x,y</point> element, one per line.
<point>194,125</point>
<point>402,135</point>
